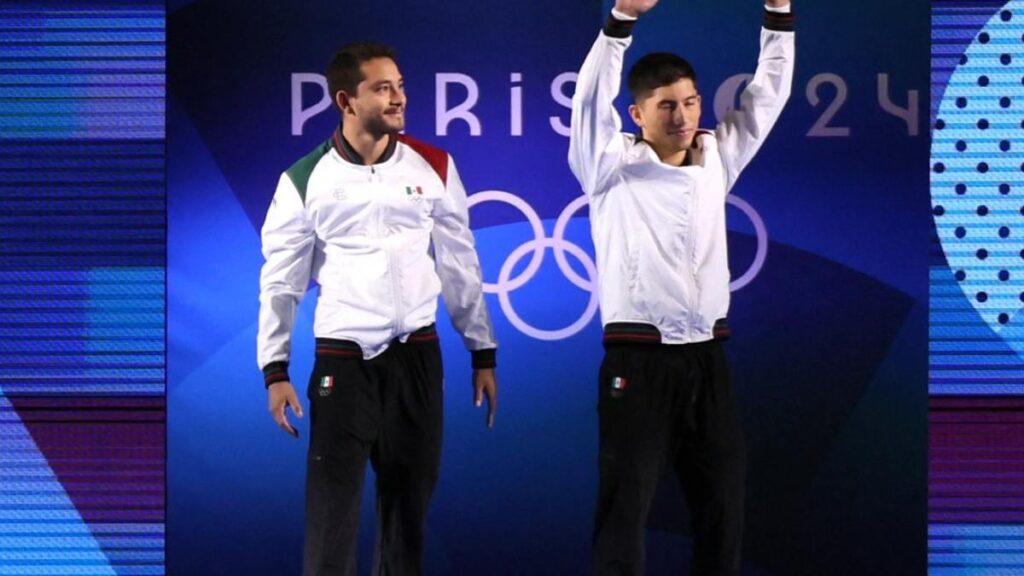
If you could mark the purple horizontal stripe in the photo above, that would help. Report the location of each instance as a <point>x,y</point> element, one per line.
<point>978,401</point>
<point>981,489</point>
<point>953,476</point>
<point>121,459</point>
<point>70,400</point>
<point>994,417</point>
<point>134,478</point>
<point>979,464</point>
<point>977,503</point>
<point>968,516</point>
<point>1009,452</point>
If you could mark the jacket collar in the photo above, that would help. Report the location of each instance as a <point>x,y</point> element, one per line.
<point>346,151</point>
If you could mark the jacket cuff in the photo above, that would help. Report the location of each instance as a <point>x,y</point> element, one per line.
<point>484,358</point>
<point>779,21</point>
<point>275,372</point>
<point>616,28</point>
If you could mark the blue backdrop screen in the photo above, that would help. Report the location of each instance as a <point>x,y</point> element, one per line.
<point>828,234</point>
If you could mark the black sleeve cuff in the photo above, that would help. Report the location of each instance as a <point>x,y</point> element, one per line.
<point>778,21</point>
<point>616,28</point>
<point>484,358</point>
<point>275,372</point>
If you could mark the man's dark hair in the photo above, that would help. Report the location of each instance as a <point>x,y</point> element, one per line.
<point>343,72</point>
<point>658,69</point>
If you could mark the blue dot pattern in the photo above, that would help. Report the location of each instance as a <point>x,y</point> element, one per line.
<point>978,167</point>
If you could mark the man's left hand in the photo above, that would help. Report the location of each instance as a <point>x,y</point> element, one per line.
<point>485,384</point>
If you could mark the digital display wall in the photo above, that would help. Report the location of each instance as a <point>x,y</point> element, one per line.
<point>82,288</point>
<point>976,352</point>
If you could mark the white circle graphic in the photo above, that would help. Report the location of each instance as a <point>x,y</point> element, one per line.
<point>558,244</point>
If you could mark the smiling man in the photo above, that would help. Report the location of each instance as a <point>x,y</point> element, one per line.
<point>379,220</point>
<point>657,211</point>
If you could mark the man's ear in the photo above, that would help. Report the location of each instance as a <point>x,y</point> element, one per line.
<point>634,113</point>
<point>342,100</point>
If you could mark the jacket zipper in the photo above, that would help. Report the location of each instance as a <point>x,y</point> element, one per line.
<point>393,271</point>
<point>690,274</point>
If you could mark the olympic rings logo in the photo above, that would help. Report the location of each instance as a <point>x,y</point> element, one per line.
<point>506,284</point>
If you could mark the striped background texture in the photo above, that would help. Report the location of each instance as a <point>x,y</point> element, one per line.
<point>82,313</point>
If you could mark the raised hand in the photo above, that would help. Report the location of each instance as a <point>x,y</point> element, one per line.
<point>634,8</point>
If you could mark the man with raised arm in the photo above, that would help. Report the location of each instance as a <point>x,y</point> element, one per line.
<point>380,221</point>
<point>657,211</point>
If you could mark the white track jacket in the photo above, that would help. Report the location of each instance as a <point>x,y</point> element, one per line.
<point>382,241</point>
<point>659,230</point>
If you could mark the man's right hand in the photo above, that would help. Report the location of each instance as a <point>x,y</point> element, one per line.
<point>280,396</point>
<point>634,8</point>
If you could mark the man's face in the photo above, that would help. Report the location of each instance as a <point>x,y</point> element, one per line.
<point>378,105</point>
<point>669,115</point>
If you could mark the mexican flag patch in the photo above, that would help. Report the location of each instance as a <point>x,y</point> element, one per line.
<point>326,385</point>
<point>619,386</point>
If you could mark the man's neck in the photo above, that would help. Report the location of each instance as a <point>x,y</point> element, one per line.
<point>674,157</point>
<point>370,147</point>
